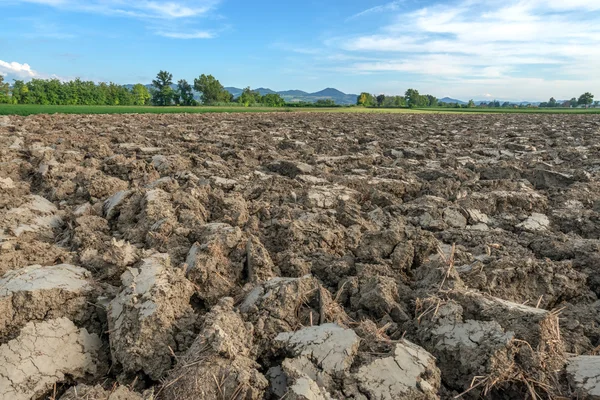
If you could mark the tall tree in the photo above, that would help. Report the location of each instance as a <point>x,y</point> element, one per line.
<point>211,89</point>
<point>365,99</point>
<point>163,95</point>
<point>19,92</point>
<point>380,100</point>
<point>185,93</point>
<point>586,99</point>
<point>573,102</point>
<point>552,102</point>
<point>249,97</point>
<point>432,101</point>
<point>471,104</point>
<point>273,100</point>
<point>141,95</point>
<point>414,99</point>
<point>399,101</point>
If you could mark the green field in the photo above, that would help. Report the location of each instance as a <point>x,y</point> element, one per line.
<point>27,109</point>
<point>516,110</point>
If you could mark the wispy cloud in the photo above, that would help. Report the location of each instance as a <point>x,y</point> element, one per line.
<point>137,8</point>
<point>393,6</point>
<point>485,43</point>
<point>163,18</point>
<point>187,35</point>
<point>297,49</point>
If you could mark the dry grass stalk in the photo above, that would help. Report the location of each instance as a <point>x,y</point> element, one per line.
<point>449,261</point>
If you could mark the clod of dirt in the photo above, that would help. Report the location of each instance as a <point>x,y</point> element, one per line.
<point>85,392</point>
<point>223,259</point>
<point>375,296</point>
<point>290,169</point>
<point>409,373</point>
<point>36,216</point>
<point>584,376</point>
<point>329,196</point>
<point>545,179</point>
<point>219,363</point>
<point>147,314</point>
<point>111,205</point>
<point>316,355</point>
<point>287,304</point>
<point>527,323</point>
<point>535,223</point>
<point>37,293</point>
<point>329,346</point>
<point>464,349</point>
<point>46,353</point>
<point>535,282</point>
<point>494,340</point>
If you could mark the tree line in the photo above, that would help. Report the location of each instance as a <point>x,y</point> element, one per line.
<point>163,92</point>
<point>412,98</point>
<point>586,100</point>
<point>77,92</point>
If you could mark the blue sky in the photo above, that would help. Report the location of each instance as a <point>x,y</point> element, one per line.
<point>508,49</point>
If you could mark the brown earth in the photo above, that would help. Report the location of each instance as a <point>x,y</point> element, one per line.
<point>299,256</point>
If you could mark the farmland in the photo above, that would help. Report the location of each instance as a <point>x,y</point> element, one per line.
<point>31,109</point>
<point>363,255</point>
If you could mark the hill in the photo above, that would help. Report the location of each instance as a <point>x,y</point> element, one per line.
<point>451,100</point>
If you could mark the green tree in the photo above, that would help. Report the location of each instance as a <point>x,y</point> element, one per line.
<point>586,99</point>
<point>249,97</point>
<point>186,93</point>
<point>432,101</point>
<point>141,95</point>
<point>365,99</point>
<point>211,89</point>
<point>163,95</point>
<point>552,102</point>
<point>414,99</point>
<point>399,101</point>
<point>273,100</point>
<point>596,103</point>
<point>325,103</point>
<point>380,100</point>
<point>4,88</point>
<point>573,102</point>
<point>471,104</point>
<point>19,92</point>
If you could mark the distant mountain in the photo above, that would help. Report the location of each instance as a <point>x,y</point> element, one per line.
<point>294,96</point>
<point>293,93</point>
<point>450,100</point>
<point>329,92</point>
<point>512,103</point>
<point>264,91</point>
<point>234,91</point>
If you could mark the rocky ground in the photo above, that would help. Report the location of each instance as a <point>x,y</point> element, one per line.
<point>299,256</point>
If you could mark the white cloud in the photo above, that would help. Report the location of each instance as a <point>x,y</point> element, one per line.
<point>17,70</point>
<point>187,35</point>
<point>137,8</point>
